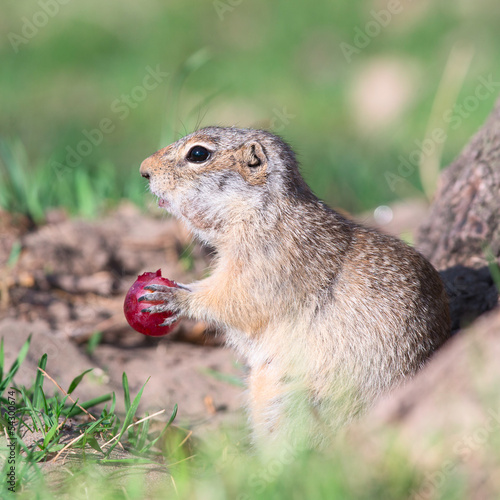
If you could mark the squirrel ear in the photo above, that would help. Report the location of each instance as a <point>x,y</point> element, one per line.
<point>254,154</point>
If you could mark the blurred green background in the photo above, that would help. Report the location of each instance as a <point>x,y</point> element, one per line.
<point>352,86</point>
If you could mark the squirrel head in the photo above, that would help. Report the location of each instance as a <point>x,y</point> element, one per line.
<point>217,179</point>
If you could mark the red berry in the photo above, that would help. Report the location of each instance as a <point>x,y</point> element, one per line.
<point>144,322</point>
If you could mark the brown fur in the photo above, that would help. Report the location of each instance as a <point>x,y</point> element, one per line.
<point>329,314</point>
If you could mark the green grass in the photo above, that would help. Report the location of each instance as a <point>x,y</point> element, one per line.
<point>94,437</point>
<point>261,62</point>
<point>222,466</point>
<point>87,191</point>
<point>493,266</point>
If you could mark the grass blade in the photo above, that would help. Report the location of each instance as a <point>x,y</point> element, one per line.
<point>1,360</point>
<point>13,173</point>
<point>50,434</point>
<point>113,404</point>
<point>85,193</point>
<point>77,380</point>
<point>15,253</point>
<point>224,377</point>
<point>127,461</point>
<point>93,342</point>
<point>167,425</point>
<point>15,366</point>
<point>34,413</point>
<point>38,386</point>
<point>92,441</point>
<point>126,391</point>
<point>88,404</point>
<point>128,418</point>
<point>94,425</point>
<point>143,436</point>
<point>49,416</point>
<point>492,265</point>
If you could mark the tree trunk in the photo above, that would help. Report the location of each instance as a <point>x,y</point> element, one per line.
<point>461,235</point>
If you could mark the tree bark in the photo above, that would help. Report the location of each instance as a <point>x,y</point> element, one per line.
<point>463,225</point>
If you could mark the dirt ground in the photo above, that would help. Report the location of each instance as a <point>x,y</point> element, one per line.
<point>69,281</point>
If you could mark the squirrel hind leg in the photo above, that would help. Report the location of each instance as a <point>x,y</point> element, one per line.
<point>280,411</point>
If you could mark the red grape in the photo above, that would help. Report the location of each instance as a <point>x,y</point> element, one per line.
<point>145,322</point>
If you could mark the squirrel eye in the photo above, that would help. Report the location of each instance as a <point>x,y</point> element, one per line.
<point>198,154</point>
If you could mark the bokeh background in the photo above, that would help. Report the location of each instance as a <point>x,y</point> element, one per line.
<point>89,89</point>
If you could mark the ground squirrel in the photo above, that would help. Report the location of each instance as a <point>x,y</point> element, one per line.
<point>328,314</point>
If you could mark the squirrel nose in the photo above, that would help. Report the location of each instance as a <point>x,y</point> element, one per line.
<point>145,168</point>
<point>153,164</point>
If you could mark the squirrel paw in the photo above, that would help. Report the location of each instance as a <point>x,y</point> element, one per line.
<point>171,320</point>
<point>167,296</point>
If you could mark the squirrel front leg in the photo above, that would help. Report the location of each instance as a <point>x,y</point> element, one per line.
<point>188,301</point>
<point>210,301</point>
